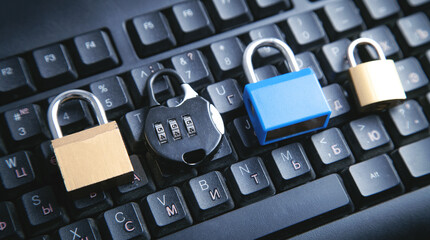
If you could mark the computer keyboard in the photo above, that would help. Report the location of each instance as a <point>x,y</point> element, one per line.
<point>365,176</point>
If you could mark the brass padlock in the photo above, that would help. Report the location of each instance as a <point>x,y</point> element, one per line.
<point>95,157</point>
<point>377,84</point>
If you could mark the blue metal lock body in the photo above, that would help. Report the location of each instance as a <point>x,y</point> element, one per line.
<point>285,106</point>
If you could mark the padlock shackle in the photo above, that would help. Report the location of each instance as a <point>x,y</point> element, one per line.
<point>188,91</point>
<point>248,68</point>
<point>363,41</point>
<point>54,125</point>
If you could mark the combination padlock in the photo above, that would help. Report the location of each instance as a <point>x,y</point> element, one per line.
<point>377,84</point>
<point>188,133</point>
<point>92,158</point>
<point>284,106</point>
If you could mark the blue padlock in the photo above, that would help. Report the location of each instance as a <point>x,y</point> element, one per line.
<point>283,106</point>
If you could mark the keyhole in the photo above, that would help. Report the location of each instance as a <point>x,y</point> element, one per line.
<point>194,157</point>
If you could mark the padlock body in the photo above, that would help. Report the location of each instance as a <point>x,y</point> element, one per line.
<point>286,106</point>
<point>377,84</point>
<point>95,157</point>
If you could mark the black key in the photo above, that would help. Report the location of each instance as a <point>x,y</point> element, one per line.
<point>125,222</point>
<point>413,161</point>
<point>414,32</point>
<point>209,196</point>
<point>132,129</point>
<point>265,8</point>
<point>426,103</point>
<point>42,211</point>
<point>226,96</point>
<point>250,181</point>
<point>379,11</point>
<point>267,54</point>
<point>227,54</point>
<point>367,137</point>
<point>162,88</point>
<point>373,180</point>
<point>410,123</point>
<point>342,19</point>
<point>224,157</point>
<point>323,197</point>
<point>386,40</point>
<point>85,229</point>
<point>308,60</point>
<point>228,14</point>
<point>167,211</point>
<point>141,185</point>
<point>191,21</point>
<point>193,68</point>
<point>90,204</point>
<point>50,170</point>
<point>340,108</point>
<point>172,102</point>
<point>414,80</point>
<point>334,61</point>
<point>15,79</point>
<point>290,166</point>
<point>332,153</point>
<point>151,34</point>
<point>16,170</point>
<point>96,51</point>
<point>265,72</point>
<point>10,227</point>
<point>55,66</point>
<point>43,237</point>
<point>26,125</point>
<point>306,31</point>
<point>114,96</point>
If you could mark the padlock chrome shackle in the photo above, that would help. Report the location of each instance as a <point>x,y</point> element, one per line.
<point>97,106</point>
<point>188,90</point>
<point>248,68</point>
<point>364,41</point>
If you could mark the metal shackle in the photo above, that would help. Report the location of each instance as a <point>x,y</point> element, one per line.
<point>248,68</point>
<point>188,90</point>
<point>363,41</point>
<point>53,123</point>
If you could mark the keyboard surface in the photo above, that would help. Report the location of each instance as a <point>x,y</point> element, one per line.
<point>366,176</point>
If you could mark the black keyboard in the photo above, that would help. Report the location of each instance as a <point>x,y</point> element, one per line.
<point>366,176</point>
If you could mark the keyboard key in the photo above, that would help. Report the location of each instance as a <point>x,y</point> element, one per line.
<point>163,89</point>
<point>226,96</point>
<point>334,61</point>
<point>113,95</point>
<point>373,180</point>
<point>193,68</point>
<point>151,34</point>
<point>15,79</point>
<point>379,11</point>
<point>16,170</point>
<point>306,31</point>
<point>43,237</point>
<point>10,227</point>
<point>84,229</point>
<point>343,19</point>
<point>267,54</point>
<point>90,204</point>
<point>308,60</point>
<point>249,181</point>
<point>331,151</point>
<point>191,21</point>
<point>414,32</point>
<point>167,211</point>
<point>209,196</point>
<point>125,222</point>
<point>142,184</point>
<point>224,157</point>
<point>426,103</point>
<point>265,72</point>
<point>290,166</point>
<point>226,56</point>
<point>96,51</point>
<point>340,108</point>
<point>409,122</point>
<point>42,211</point>
<point>131,126</point>
<point>414,80</point>
<point>229,14</point>
<point>265,8</point>
<point>55,66</point>
<point>322,197</point>
<point>26,125</point>
<point>386,40</point>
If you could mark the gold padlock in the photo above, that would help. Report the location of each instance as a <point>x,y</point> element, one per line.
<point>95,157</point>
<point>377,84</point>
